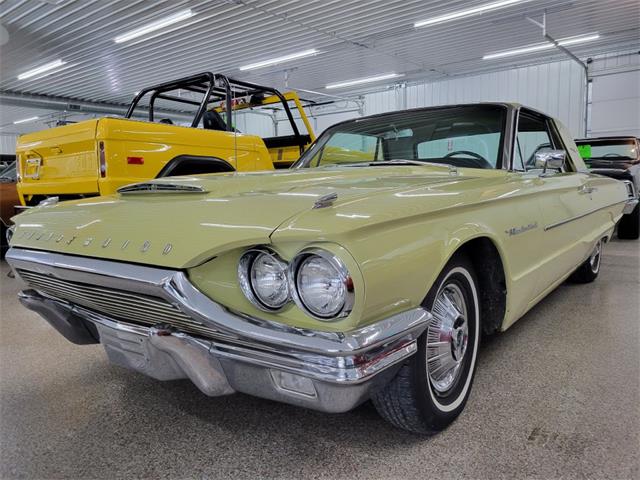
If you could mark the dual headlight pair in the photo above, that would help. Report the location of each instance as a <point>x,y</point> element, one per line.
<point>316,280</point>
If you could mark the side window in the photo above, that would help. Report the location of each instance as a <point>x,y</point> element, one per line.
<point>533,135</point>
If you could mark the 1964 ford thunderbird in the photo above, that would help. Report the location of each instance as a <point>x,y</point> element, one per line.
<point>367,271</point>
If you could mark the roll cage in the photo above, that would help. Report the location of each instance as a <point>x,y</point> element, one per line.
<point>220,94</point>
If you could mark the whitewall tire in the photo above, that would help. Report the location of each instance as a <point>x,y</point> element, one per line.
<point>432,388</point>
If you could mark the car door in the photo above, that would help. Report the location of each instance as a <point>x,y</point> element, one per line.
<point>565,198</point>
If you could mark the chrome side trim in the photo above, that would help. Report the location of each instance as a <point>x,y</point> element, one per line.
<point>578,217</point>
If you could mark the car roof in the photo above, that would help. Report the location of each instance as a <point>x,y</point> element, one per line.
<point>615,137</point>
<point>509,105</point>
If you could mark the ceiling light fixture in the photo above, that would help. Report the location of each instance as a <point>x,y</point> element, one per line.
<point>579,39</point>
<point>153,26</point>
<point>542,46</point>
<point>25,120</point>
<point>277,60</point>
<point>47,67</point>
<point>360,81</point>
<point>468,12</point>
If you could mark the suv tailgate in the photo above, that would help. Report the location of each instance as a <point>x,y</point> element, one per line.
<point>59,160</point>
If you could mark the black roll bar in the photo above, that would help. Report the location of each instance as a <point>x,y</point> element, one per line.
<point>214,87</point>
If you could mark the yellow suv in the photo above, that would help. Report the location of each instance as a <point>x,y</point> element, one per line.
<point>191,127</point>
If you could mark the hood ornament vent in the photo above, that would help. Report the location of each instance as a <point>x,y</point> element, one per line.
<point>150,187</point>
<point>326,200</point>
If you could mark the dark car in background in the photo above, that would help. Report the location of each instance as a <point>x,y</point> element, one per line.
<point>619,158</point>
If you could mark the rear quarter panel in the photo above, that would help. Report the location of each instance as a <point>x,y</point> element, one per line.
<point>60,160</point>
<point>158,143</point>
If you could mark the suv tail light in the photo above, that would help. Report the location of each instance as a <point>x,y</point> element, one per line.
<point>103,160</point>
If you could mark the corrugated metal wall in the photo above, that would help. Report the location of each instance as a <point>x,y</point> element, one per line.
<point>557,89</point>
<point>615,97</point>
<point>8,144</point>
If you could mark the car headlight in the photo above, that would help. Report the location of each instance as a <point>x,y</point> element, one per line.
<point>263,279</point>
<point>321,285</point>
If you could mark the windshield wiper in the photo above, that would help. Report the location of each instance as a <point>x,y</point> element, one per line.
<point>382,163</point>
<point>398,161</point>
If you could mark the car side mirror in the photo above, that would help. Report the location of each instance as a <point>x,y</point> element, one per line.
<point>550,159</point>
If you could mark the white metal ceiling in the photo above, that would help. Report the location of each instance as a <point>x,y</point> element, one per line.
<point>356,38</point>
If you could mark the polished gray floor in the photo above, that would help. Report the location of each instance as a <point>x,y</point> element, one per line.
<point>557,396</point>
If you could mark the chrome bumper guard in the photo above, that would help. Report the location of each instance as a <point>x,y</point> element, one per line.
<point>327,371</point>
<point>633,198</point>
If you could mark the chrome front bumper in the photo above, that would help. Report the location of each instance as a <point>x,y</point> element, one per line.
<point>326,371</point>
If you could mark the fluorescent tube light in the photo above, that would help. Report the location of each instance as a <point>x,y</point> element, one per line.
<point>25,120</point>
<point>277,60</point>
<point>359,81</point>
<point>542,46</point>
<point>153,26</point>
<point>518,51</point>
<point>467,12</point>
<point>44,68</point>
<point>576,40</point>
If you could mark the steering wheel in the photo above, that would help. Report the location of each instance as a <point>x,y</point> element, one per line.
<point>477,160</point>
<point>612,155</point>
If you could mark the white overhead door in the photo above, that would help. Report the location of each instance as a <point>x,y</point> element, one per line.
<point>615,104</point>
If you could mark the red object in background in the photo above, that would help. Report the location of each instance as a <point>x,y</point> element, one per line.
<point>135,160</point>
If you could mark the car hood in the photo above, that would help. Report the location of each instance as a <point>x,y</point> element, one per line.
<point>617,173</point>
<point>166,223</point>
<point>611,164</point>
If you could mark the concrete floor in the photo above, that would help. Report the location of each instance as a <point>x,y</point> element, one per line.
<point>556,396</point>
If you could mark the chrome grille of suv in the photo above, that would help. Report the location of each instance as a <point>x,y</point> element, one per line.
<point>116,304</point>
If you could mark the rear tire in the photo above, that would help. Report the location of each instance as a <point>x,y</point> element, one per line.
<point>431,389</point>
<point>589,270</point>
<point>629,226</point>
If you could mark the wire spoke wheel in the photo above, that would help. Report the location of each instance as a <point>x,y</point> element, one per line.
<point>447,338</point>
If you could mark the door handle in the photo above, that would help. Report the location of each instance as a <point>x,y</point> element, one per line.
<point>56,149</point>
<point>586,189</point>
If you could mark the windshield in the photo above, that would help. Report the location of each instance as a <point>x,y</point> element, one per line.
<point>469,136</point>
<point>614,150</point>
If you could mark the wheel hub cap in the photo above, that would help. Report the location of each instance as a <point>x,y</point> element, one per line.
<point>447,338</point>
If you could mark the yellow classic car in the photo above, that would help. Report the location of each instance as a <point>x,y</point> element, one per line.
<point>369,270</point>
<point>96,157</point>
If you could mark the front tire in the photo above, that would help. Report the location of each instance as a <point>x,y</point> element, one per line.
<point>431,389</point>
<point>589,270</point>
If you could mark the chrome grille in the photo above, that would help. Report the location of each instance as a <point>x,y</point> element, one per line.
<point>116,304</point>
